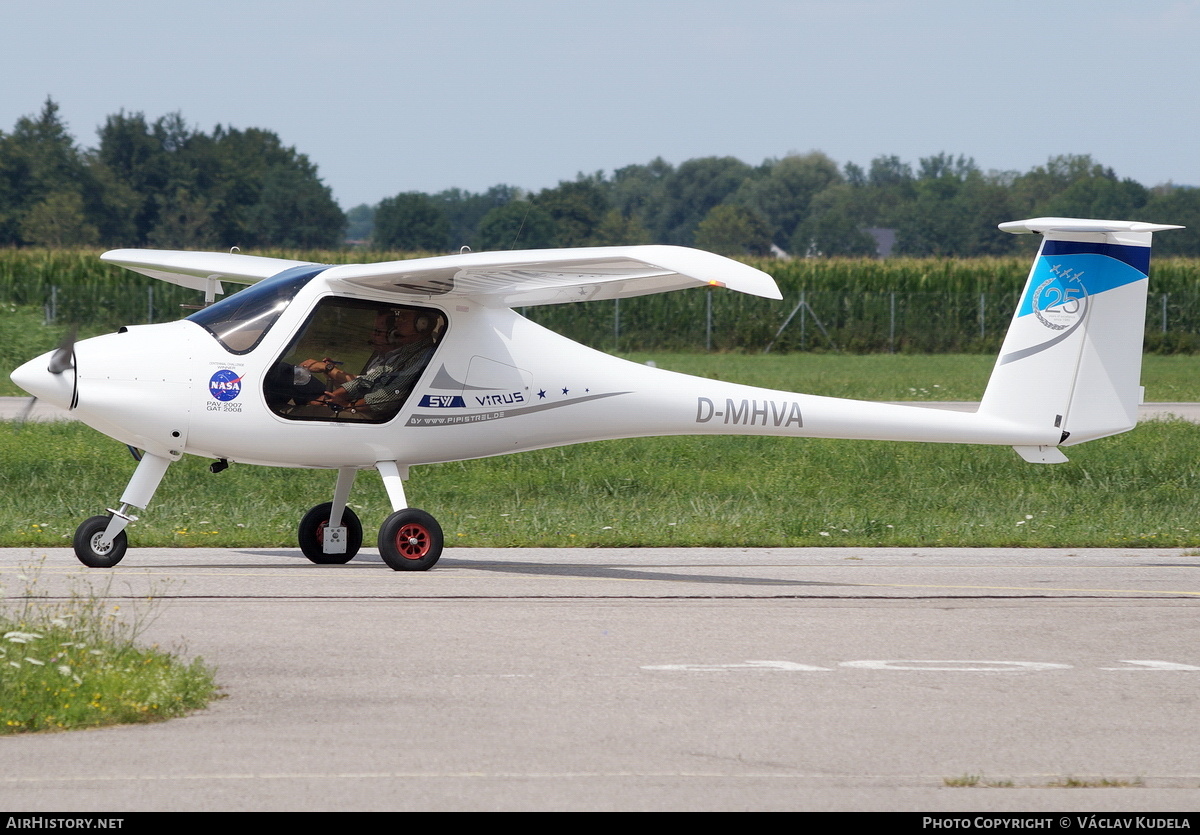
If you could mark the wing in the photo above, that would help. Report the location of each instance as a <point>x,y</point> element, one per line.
<point>556,276</point>
<point>199,270</point>
<point>501,279</point>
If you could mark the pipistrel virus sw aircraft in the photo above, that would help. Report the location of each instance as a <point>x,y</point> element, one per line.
<point>394,364</point>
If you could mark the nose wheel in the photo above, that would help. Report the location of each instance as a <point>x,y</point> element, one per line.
<point>90,547</point>
<point>410,540</point>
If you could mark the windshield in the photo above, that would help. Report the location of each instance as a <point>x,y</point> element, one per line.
<point>240,321</point>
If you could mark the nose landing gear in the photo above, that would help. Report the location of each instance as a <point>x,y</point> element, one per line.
<point>100,542</point>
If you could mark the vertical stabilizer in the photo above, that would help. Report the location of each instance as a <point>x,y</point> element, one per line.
<point>1072,357</point>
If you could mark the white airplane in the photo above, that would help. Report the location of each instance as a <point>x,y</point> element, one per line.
<point>399,363</point>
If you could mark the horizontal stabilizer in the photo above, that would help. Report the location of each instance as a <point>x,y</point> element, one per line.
<point>1049,225</point>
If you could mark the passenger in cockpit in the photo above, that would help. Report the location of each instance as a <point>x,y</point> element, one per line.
<point>403,341</point>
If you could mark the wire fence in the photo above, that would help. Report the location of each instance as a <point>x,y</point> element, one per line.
<point>819,320</point>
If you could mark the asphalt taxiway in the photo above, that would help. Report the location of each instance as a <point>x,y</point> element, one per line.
<point>723,679</point>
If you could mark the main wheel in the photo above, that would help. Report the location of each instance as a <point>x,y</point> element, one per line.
<point>88,548</point>
<point>311,535</point>
<point>410,540</point>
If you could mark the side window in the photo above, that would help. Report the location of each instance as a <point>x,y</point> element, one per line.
<point>354,360</point>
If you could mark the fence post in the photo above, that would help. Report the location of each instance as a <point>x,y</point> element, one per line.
<point>803,321</point>
<point>1164,314</point>
<point>616,324</point>
<point>708,320</point>
<point>892,323</point>
<point>150,305</point>
<point>982,316</point>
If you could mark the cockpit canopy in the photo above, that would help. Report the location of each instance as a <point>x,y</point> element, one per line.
<point>240,321</point>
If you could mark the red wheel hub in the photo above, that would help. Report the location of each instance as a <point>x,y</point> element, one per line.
<point>412,541</point>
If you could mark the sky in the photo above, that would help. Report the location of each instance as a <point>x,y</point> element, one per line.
<point>389,97</point>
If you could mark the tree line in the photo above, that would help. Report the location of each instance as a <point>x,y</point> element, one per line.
<point>166,184</point>
<point>802,205</point>
<point>159,184</point>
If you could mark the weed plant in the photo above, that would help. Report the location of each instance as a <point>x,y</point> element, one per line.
<point>74,663</point>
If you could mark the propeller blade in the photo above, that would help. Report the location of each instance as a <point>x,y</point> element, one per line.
<point>64,355</point>
<point>26,412</point>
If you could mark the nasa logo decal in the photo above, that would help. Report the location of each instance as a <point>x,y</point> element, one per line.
<point>225,385</point>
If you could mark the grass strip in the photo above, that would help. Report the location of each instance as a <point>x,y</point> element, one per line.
<point>1137,489</point>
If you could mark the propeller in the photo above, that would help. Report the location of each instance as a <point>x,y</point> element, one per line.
<point>24,416</point>
<point>64,355</point>
<point>63,359</point>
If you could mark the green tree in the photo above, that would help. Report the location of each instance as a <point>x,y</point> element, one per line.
<point>516,225</point>
<point>360,222</point>
<point>733,230</point>
<point>1179,206</point>
<point>691,192</point>
<point>245,186</point>
<point>836,224</point>
<point>637,191</point>
<point>264,193</point>
<point>58,220</point>
<point>143,161</point>
<point>576,208</point>
<point>466,210</point>
<point>782,197</point>
<point>955,211</point>
<point>1101,197</point>
<point>1033,190</point>
<point>410,221</point>
<point>37,160</point>
<point>185,220</point>
<point>616,229</point>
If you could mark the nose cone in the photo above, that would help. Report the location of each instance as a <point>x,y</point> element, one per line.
<point>36,379</point>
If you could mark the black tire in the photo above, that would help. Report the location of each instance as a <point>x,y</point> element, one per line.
<point>410,540</point>
<point>312,529</point>
<point>86,536</point>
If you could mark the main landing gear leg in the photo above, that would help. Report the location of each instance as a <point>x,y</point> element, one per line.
<point>410,539</point>
<point>100,542</point>
<point>330,533</point>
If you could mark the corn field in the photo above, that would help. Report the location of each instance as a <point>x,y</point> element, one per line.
<point>851,305</point>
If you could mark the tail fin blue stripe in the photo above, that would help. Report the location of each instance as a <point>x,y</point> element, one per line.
<point>1137,257</point>
<point>1060,278</point>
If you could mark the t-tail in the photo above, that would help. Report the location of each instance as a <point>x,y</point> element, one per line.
<point>1072,357</point>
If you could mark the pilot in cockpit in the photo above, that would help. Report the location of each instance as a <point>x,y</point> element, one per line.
<point>402,341</point>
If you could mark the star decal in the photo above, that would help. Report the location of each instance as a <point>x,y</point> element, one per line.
<point>542,394</point>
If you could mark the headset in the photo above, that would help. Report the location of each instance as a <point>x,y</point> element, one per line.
<point>422,323</point>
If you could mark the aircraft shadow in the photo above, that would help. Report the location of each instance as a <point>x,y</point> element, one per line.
<point>605,572</point>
